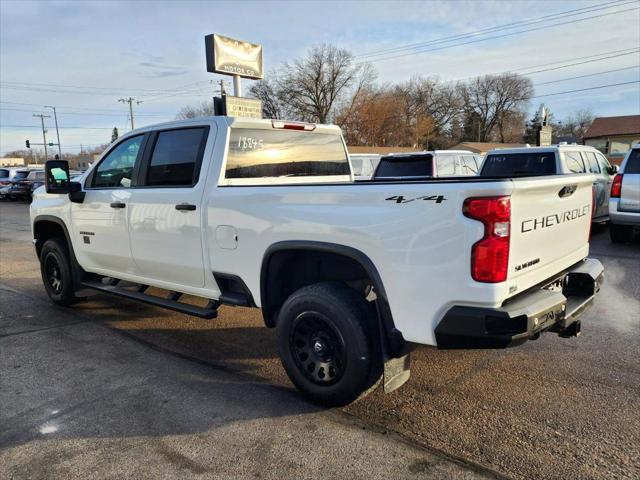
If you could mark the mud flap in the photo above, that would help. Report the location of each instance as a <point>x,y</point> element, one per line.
<point>396,372</point>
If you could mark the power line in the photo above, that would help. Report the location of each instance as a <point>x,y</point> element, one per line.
<point>557,67</point>
<point>585,89</point>
<point>521,23</point>
<point>37,126</point>
<point>89,114</point>
<point>420,51</point>
<point>588,75</point>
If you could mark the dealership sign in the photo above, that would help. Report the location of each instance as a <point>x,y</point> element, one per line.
<point>242,107</point>
<point>233,57</point>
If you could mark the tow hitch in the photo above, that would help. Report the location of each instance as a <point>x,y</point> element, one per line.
<point>572,330</point>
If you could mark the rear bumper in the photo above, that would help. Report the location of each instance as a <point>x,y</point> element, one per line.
<point>554,307</point>
<point>622,217</point>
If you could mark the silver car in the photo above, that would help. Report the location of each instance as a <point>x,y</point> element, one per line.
<point>624,201</point>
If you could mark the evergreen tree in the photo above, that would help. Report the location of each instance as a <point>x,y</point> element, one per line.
<point>531,130</point>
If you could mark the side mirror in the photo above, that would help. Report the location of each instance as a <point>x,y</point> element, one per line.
<point>56,176</point>
<point>613,169</point>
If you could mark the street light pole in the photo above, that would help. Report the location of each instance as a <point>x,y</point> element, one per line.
<point>55,117</point>
<point>44,132</point>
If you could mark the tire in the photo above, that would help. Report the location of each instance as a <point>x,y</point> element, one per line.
<point>620,233</point>
<point>55,268</point>
<point>328,343</point>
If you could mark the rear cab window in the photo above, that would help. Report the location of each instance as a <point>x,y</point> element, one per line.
<point>405,166</point>
<point>258,156</point>
<point>519,164</point>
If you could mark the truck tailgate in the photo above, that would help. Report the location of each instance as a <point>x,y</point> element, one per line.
<point>550,225</point>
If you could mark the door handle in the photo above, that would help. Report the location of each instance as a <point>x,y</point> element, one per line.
<point>118,205</point>
<point>185,207</point>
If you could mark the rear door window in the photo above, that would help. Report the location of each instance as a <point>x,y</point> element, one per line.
<point>633,162</point>
<point>4,173</point>
<point>519,164</point>
<point>176,157</point>
<point>270,154</point>
<point>404,166</point>
<point>574,163</point>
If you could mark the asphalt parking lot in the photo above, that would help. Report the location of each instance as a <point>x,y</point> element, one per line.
<point>111,388</point>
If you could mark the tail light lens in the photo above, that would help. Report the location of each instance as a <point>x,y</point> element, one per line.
<point>616,186</point>
<point>293,125</point>
<point>490,255</point>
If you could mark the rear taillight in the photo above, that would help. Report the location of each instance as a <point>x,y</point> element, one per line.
<point>616,186</point>
<point>490,255</point>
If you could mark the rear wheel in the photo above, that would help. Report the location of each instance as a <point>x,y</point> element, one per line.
<point>327,343</point>
<point>55,268</point>
<point>620,233</point>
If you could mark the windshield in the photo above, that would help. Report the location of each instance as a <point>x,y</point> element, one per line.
<point>20,175</point>
<point>519,164</point>
<point>405,166</point>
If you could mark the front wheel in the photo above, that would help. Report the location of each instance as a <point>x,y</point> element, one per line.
<point>55,268</point>
<point>327,343</point>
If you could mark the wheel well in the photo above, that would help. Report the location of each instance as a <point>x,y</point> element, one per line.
<point>291,265</point>
<point>290,270</point>
<point>44,230</point>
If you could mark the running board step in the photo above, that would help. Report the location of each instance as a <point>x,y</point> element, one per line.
<point>208,312</point>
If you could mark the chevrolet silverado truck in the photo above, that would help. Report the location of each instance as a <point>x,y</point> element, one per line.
<point>266,214</point>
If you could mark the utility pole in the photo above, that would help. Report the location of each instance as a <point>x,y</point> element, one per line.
<point>44,132</point>
<point>55,117</point>
<point>130,102</point>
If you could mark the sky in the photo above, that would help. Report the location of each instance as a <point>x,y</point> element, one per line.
<point>82,56</point>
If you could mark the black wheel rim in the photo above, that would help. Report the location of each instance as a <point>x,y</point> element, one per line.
<point>53,273</point>
<point>317,348</point>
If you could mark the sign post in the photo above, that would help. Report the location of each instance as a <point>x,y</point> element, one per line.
<point>545,131</point>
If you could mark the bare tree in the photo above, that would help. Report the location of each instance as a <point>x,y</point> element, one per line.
<point>576,125</point>
<point>494,100</point>
<point>267,92</point>
<point>204,109</point>
<point>314,85</point>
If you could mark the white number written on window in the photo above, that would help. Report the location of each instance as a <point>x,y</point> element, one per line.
<point>249,143</point>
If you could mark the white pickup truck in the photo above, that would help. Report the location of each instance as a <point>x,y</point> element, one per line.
<point>266,214</point>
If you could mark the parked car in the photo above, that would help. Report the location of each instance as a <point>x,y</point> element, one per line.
<point>8,176</point>
<point>266,214</point>
<point>424,165</point>
<point>562,159</point>
<point>363,165</point>
<point>624,202</point>
<point>24,187</point>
